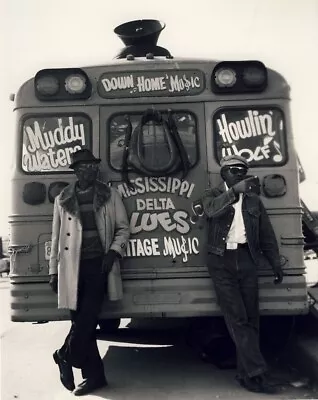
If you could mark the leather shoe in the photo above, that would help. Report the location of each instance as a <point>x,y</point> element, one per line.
<point>257,384</point>
<point>66,372</point>
<point>249,384</point>
<point>264,384</point>
<point>89,385</point>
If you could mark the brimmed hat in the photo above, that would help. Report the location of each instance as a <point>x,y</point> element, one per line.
<point>234,160</point>
<point>83,155</point>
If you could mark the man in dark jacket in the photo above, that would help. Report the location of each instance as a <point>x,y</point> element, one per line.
<point>239,234</point>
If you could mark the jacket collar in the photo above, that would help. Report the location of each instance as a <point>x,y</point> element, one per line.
<point>68,199</point>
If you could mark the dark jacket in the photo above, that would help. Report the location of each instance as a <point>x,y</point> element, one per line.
<point>261,239</point>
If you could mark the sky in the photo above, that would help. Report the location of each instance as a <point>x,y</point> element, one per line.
<point>36,34</point>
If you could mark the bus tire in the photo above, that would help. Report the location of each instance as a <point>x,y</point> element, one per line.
<point>276,332</point>
<point>109,325</point>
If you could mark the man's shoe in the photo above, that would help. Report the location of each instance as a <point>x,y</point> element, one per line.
<point>257,384</point>
<point>264,384</point>
<point>249,384</point>
<point>89,385</point>
<point>66,372</point>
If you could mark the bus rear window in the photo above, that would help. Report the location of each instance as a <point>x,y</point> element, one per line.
<point>49,141</point>
<point>153,143</point>
<point>258,134</point>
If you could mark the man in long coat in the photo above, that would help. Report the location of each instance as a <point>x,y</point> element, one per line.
<point>90,232</point>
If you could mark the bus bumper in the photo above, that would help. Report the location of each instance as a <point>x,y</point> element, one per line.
<point>159,298</point>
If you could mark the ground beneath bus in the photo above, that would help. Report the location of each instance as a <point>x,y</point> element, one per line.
<point>140,363</point>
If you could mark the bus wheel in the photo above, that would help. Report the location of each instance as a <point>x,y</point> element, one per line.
<point>109,325</point>
<point>275,332</point>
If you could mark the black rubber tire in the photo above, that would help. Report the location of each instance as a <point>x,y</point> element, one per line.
<point>109,325</point>
<point>276,331</point>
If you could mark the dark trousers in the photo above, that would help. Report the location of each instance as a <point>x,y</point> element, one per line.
<point>236,285</point>
<point>80,346</point>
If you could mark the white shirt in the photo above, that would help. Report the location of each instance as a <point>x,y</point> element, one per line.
<point>237,233</point>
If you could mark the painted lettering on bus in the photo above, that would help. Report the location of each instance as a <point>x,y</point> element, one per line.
<point>154,214</point>
<point>49,161</point>
<point>167,247</point>
<point>142,185</point>
<point>50,149</point>
<point>144,84</point>
<point>252,125</point>
<point>149,82</point>
<point>145,220</point>
<point>149,222</point>
<point>142,248</point>
<point>118,83</point>
<point>178,84</point>
<point>255,136</point>
<point>61,135</point>
<point>182,246</point>
<point>258,154</point>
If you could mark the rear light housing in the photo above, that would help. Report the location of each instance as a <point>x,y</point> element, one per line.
<point>48,85</point>
<point>34,193</point>
<point>62,84</point>
<point>239,77</point>
<point>75,83</point>
<point>274,185</point>
<point>225,77</point>
<point>55,189</point>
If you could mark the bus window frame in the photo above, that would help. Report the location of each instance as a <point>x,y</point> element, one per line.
<point>34,115</point>
<point>163,111</point>
<point>257,108</point>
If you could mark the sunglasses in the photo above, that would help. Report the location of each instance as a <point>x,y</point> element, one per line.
<point>235,170</point>
<point>86,166</point>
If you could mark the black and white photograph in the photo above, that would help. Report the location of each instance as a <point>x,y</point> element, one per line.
<point>159,206</point>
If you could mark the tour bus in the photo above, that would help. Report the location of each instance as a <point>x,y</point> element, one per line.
<point>160,125</point>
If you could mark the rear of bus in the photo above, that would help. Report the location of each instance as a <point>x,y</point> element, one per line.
<point>126,114</point>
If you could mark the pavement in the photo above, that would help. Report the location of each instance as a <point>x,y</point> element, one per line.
<point>144,365</point>
<point>138,367</point>
<point>302,349</point>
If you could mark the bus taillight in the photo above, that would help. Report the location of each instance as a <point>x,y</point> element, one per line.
<point>239,77</point>
<point>47,85</point>
<point>62,84</point>
<point>75,83</point>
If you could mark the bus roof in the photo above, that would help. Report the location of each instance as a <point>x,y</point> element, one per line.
<point>277,86</point>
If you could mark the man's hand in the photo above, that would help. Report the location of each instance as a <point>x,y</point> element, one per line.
<point>53,282</point>
<point>244,186</point>
<point>279,276</point>
<point>108,261</point>
<point>278,271</point>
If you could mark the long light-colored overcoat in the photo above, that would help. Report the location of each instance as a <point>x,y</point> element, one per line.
<point>113,227</point>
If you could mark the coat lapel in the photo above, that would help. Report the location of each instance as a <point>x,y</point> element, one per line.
<point>68,200</point>
<point>101,195</point>
<point>69,203</point>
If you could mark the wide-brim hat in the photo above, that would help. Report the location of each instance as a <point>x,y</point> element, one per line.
<point>84,156</point>
<point>234,160</point>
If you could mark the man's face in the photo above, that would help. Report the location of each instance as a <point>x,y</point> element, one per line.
<point>234,174</point>
<point>86,172</point>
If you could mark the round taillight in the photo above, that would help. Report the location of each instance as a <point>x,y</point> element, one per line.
<point>254,76</point>
<point>75,83</point>
<point>34,193</point>
<point>225,77</point>
<point>47,85</point>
